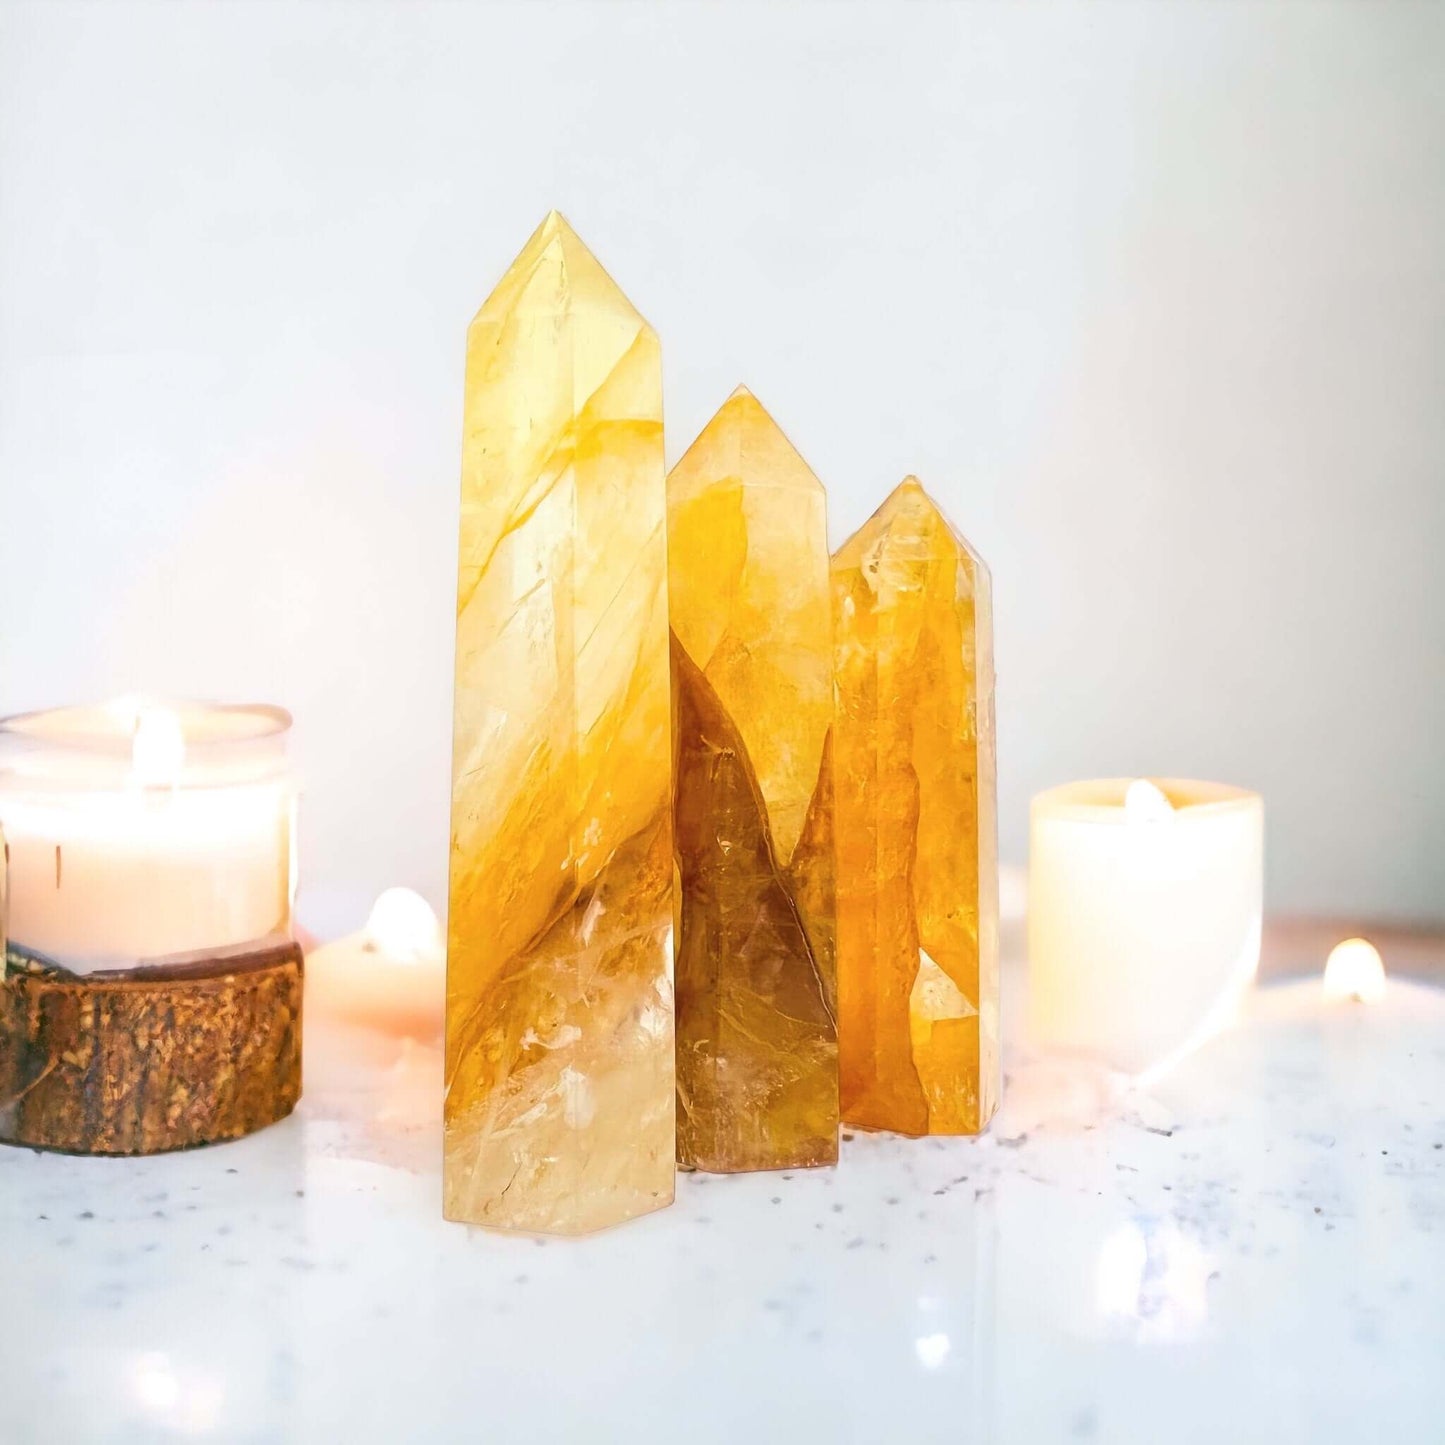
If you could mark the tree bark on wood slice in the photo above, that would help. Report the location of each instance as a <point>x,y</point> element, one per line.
<point>185,1052</point>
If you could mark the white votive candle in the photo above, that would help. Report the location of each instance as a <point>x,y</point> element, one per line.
<point>141,832</point>
<point>1144,915</point>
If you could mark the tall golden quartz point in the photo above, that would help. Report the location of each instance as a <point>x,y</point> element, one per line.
<point>757,1053</point>
<point>916,818</point>
<point>559,1057</point>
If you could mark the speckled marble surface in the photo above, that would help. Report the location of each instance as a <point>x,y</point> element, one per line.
<point>1255,1250</point>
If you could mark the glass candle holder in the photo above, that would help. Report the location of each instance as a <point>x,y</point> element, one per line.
<point>143,833</point>
<point>1145,913</point>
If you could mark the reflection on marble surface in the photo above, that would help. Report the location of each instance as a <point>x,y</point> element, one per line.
<point>1153,1278</point>
<point>1252,1251</point>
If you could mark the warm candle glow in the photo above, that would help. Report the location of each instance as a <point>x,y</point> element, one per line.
<point>158,748</point>
<point>403,927</point>
<point>1354,972</point>
<point>1146,802</point>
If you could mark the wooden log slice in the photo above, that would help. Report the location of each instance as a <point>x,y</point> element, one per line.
<point>189,1051</point>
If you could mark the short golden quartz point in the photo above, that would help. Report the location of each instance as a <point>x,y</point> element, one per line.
<point>918,981</point>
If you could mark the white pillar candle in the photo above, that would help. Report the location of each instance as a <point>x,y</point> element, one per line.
<point>1145,911</point>
<point>139,832</point>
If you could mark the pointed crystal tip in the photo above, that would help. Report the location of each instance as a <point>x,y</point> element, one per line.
<point>555,272</point>
<point>907,512</point>
<point>909,495</point>
<point>743,444</point>
<point>555,225</point>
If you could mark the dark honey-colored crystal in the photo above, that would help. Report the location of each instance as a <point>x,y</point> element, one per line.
<point>757,1059</point>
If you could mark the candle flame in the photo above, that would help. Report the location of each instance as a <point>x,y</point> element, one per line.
<point>1354,972</point>
<point>402,926</point>
<point>1146,802</point>
<point>158,748</point>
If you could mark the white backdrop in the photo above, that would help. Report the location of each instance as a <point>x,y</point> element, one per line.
<point>1152,298</point>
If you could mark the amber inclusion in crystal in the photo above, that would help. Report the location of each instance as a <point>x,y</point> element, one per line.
<point>757,1060</point>
<point>916,822</point>
<point>559,1058</point>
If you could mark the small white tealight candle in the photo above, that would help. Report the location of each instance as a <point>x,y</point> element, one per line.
<point>391,976</point>
<point>1354,973</point>
<point>1145,913</point>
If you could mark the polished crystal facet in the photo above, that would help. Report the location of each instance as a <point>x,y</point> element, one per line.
<point>916,821</point>
<point>559,1105</point>
<point>757,1061</point>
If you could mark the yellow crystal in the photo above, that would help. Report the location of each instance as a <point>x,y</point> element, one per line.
<point>559,1059</point>
<point>916,824</point>
<point>757,1059</point>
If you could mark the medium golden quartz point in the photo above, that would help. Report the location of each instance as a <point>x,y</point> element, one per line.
<point>559,1057</point>
<point>757,1053</point>
<point>916,824</point>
